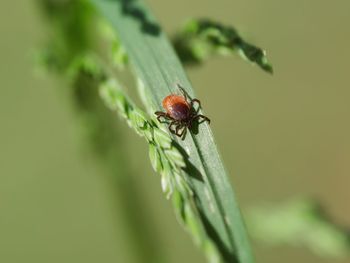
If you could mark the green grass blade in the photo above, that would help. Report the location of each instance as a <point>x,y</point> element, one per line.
<point>159,70</point>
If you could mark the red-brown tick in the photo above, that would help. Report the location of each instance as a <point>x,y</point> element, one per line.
<point>180,113</point>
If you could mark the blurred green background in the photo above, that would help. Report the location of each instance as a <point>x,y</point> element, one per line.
<point>280,137</point>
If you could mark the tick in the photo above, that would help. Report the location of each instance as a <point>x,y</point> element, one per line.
<point>180,113</point>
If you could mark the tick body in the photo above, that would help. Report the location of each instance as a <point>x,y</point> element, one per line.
<point>180,113</point>
<point>176,107</point>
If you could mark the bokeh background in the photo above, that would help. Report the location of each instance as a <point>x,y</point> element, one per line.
<point>281,136</point>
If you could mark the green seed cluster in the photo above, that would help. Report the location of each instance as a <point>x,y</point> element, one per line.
<point>165,157</point>
<point>201,38</point>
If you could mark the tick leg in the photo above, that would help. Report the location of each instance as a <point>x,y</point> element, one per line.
<point>188,98</point>
<point>184,132</point>
<point>183,91</point>
<point>164,115</point>
<point>193,101</point>
<point>199,117</point>
<point>171,127</point>
<point>181,131</point>
<point>178,128</point>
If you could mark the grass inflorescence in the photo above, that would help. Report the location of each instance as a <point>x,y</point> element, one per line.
<point>201,38</point>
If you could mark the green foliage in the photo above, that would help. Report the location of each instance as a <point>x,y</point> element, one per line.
<point>192,173</point>
<point>167,160</point>
<point>212,216</point>
<point>202,38</point>
<point>299,222</point>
